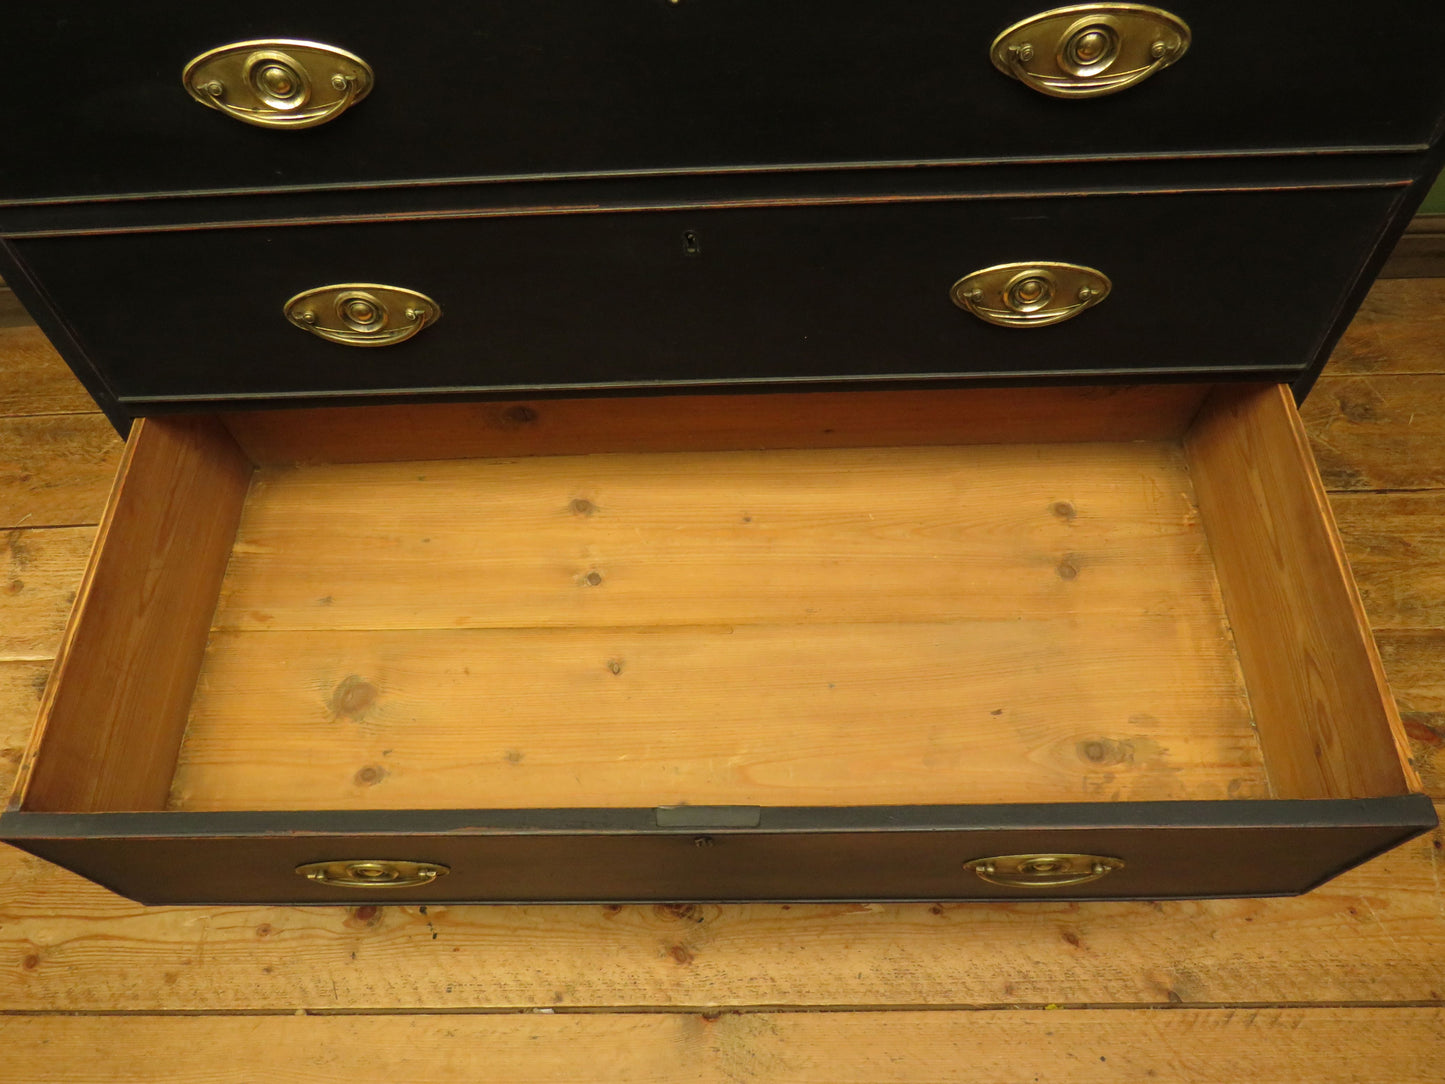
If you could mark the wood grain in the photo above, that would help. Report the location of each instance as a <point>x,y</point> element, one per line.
<point>55,469</point>
<point>112,717</point>
<point>1399,329</point>
<point>716,423</point>
<point>1396,543</point>
<point>1225,1046</point>
<point>1374,935</point>
<point>40,572</point>
<point>1326,721</point>
<point>1378,432</point>
<point>1069,709</point>
<point>996,532</point>
<point>12,313</point>
<point>21,685</point>
<point>36,380</point>
<point>1415,663</point>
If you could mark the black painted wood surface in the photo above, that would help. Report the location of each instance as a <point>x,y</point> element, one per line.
<point>1205,284</point>
<point>1170,849</point>
<point>494,88</point>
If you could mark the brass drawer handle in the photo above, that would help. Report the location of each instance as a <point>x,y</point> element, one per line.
<point>362,313</point>
<point>1030,294</point>
<point>1089,50</point>
<point>279,83</point>
<point>372,873</point>
<point>1043,870</point>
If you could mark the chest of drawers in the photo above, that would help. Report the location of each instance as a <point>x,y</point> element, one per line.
<point>811,455</point>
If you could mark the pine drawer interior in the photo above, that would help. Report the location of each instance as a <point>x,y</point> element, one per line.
<point>851,599</point>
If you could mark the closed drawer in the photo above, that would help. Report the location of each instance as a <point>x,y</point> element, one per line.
<point>982,644</point>
<point>571,87</point>
<point>1243,282</point>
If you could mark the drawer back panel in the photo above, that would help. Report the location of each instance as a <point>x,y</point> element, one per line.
<point>575,86</point>
<point>1203,283</point>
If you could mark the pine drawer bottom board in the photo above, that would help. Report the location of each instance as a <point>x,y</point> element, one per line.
<point>808,646</point>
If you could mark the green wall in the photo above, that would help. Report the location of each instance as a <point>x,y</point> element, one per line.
<point>1435,202</point>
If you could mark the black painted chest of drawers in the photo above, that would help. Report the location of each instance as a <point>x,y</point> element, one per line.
<point>1045,263</point>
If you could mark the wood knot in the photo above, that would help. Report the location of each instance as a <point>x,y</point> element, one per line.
<point>1106,751</point>
<point>1068,568</point>
<point>1064,510</point>
<point>370,775</point>
<point>593,579</point>
<point>363,917</point>
<point>1356,411</point>
<point>1427,728</point>
<point>521,414</point>
<point>581,506</point>
<point>353,698</point>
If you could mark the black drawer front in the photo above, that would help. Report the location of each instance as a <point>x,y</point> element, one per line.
<point>1204,283</point>
<point>1166,849</point>
<point>569,86</point>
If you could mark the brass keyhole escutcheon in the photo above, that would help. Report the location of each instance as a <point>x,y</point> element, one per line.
<point>1089,50</point>
<point>372,873</point>
<point>1043,870</point>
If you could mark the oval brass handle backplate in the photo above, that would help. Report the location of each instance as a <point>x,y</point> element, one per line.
<point>1089,50</point>
<point>1043,870</point>
<point>372,873</point>
<point>279,83</point>
<point>1030,294</point>
<point>362,313</point>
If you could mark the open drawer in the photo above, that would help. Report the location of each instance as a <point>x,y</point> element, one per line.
<point>962,644</point>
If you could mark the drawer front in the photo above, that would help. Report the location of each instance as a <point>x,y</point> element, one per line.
<point>1159,851</point>
<point>1201,284</point>
<point>570,86</point>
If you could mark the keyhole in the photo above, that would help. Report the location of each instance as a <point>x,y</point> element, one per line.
<point>690,243</point>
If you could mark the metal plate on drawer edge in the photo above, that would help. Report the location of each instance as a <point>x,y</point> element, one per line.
<point>656,86</point>
<point>1203,284</point>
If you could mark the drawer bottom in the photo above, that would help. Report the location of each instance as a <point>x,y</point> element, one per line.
<point>875,626</point>
<point>976,644</point>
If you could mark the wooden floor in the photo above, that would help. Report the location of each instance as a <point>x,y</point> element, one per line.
<point>1345,984</point>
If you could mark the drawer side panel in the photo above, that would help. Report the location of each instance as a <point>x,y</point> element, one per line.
<point>114,711</point>
<point>1326,720</point>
